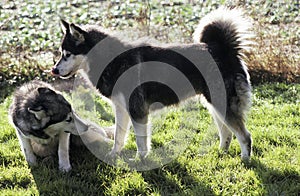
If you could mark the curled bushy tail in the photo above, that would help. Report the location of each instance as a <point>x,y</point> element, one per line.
<point>226,29</point>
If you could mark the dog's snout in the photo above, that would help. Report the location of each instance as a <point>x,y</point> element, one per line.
<point>55,71</point>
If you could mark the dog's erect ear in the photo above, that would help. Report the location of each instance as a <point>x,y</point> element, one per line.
<point>43,90</point>
<point>77,33</point>
<point>39,112</point>
<point>65,26</point>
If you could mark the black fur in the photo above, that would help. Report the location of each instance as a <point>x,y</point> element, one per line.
<point>146,94</point>
<point>224,51</point>
<point>69,41</point>
<point>221,36</point>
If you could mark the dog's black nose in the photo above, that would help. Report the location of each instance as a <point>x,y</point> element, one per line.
<point>55,71</point>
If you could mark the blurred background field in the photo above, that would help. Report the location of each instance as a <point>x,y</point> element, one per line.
<point>30,32</point>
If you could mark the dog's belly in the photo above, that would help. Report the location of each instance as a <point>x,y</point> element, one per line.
<point>156,77</point>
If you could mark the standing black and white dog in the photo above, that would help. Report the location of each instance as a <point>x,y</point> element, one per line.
<point>43,120</point>
<point>222,34</point>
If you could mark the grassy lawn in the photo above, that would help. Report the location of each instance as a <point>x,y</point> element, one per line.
<point>201,168</point>
<point>30,37</point>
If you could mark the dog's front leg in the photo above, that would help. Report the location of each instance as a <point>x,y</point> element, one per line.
<point>143,136</point>
<point>27,149</point>
<point>63,152</point>
<point>121,130</point>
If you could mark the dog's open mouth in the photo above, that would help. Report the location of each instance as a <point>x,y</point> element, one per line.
<point>67,75</point>
<point>55,72</point>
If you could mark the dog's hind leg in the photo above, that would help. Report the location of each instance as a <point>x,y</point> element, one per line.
<point>234,123</point>
<point>224,133</point>
<point>235,117</point>
<point>237,126</point>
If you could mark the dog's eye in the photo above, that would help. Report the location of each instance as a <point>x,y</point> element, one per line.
<point>68,55</point>
<point>69,119</point>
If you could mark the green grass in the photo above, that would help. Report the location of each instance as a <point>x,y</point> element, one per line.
<point>30,37</point>
<point>200,169</point>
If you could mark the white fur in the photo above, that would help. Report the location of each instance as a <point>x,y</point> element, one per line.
<point>225,16</point>
<point>142,131</point>
<point>27,150</point>
<point>122,124</point>
<point>63,152</point>
<point>69,67</point>
<point>56,132</point>
<point>143,138</point>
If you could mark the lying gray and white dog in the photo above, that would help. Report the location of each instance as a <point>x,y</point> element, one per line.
<point>43,120</point>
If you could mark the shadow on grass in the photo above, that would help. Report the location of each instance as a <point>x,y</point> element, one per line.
<point>274,181</point>
<point>91,176</point>
<point>87,177</point>
<point>174,178</point>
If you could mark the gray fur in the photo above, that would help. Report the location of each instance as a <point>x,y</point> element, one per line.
<point>42,119</point>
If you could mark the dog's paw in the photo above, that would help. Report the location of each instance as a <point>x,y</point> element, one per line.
<point>111,157</point>
<point>245,158</point>
<point>65,168</point>
<point>31,160</point>
<point>113,154</point>
<point>49,160</point>
<point>142,154</point>
<point>140,157</point>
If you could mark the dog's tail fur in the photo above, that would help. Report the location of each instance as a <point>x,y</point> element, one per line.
<point>225,30</point>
